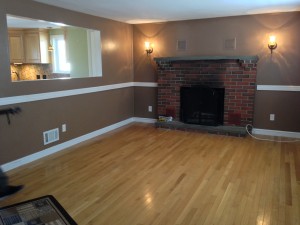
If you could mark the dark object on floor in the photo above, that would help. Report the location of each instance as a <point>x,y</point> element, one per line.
<point>42,210</point>
<point>10,190</point>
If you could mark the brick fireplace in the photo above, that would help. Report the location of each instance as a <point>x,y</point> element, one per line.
<point>236,74</point>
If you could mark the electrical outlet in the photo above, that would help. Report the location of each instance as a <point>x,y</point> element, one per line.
<point>64,128</point>
<point>272,117</point>
<point>149,108</point>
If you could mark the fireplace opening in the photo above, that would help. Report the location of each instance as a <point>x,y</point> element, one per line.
<point>202,105</point>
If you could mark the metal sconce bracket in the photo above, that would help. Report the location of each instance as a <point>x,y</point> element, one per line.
<point>272,47</point>
<point>272,43</point>
<point>149,51</point>
<point>148,47</point>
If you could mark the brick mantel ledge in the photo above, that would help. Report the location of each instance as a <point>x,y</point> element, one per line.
<point>253,59</point>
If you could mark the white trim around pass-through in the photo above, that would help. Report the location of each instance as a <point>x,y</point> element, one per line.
<point>58,94</point>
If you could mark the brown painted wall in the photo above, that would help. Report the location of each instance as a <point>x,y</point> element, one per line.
<point>205,37</point>
<point>286,107</point>
<point>82,113</point>
<point>144,97</point>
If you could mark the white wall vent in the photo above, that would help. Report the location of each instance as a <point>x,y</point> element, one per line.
<point>51,136</point>
<point>181,45</point>
<point>229,43</point>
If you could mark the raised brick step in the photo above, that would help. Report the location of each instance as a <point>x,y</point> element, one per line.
<point>236,131</point>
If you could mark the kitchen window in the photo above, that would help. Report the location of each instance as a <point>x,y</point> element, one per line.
<point>60,62</point>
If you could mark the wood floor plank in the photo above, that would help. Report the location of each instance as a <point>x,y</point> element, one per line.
<point>140,175</point>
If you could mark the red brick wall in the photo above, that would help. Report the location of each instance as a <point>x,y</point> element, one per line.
<point>238,77</point>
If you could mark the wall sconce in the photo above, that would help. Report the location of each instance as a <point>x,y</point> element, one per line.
<point>148,47</point>
<point>272,43</point>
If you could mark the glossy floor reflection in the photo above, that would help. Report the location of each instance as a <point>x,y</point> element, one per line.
<point>140,175</point>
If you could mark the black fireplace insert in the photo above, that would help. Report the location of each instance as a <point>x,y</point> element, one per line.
<point>202,105</point>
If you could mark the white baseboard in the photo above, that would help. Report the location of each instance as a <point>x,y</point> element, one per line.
<point>144,120</point>
<point>277,133</point>
<point>30,158</point>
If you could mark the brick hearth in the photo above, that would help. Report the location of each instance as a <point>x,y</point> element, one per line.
<point>236,74</point>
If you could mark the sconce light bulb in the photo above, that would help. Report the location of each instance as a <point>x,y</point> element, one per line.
<point>272,43</point>
<point>272,40</point>
<point>147,44</point>
<point>148,47</point>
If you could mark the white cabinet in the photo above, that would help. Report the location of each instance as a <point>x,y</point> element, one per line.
<point>30,47</point>
<point>16,47</point>
<point>36,46</point>
<point>44,46</point>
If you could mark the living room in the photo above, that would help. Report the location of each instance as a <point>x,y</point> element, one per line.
<point>89,107</point>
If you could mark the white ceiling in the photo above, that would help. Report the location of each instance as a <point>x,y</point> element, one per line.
<point>145,11</point>
<point>22,22</point>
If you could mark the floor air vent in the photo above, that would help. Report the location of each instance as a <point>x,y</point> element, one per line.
<point>51,136</point>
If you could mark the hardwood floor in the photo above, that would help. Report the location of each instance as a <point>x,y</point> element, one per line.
<point>139,175</point>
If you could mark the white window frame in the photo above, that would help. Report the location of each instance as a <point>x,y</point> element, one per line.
<point>94,53</point>
<point>56,58</point>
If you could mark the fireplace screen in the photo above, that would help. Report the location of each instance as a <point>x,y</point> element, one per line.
<point>202,105</point>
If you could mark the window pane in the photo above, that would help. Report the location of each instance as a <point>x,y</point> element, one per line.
<point>60,64</point>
